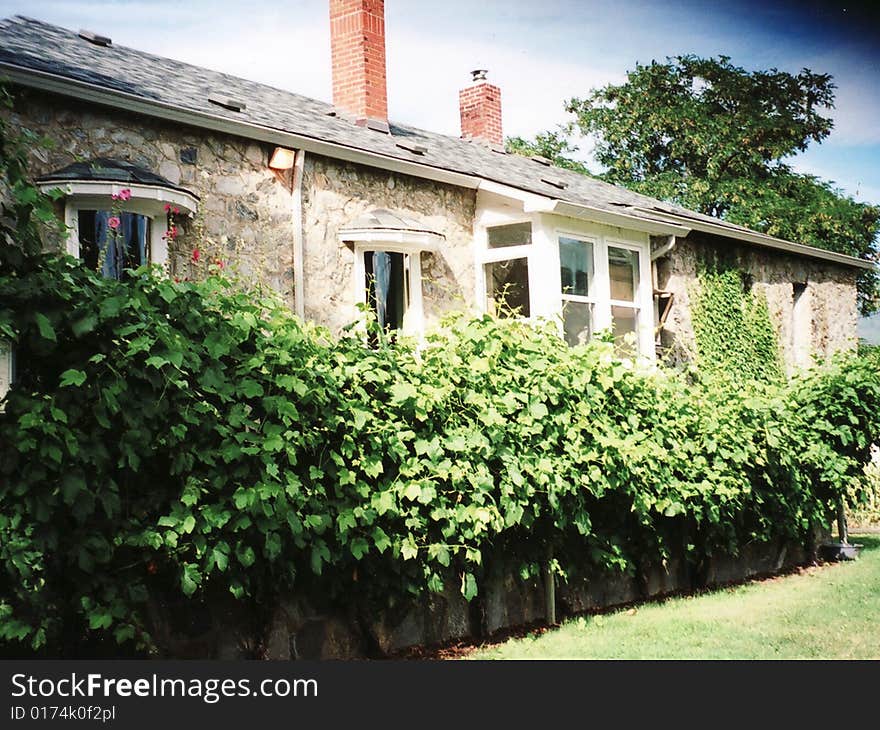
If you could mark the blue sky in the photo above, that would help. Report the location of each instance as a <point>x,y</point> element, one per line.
<point>540,53</point>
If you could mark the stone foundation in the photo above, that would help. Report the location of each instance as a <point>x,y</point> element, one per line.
<point>298,630</point>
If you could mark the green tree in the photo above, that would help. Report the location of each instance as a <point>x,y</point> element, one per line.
<point>713,137</point>
<point>553,145</point>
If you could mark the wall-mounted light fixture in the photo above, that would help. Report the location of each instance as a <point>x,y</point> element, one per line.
<point>282,159</point>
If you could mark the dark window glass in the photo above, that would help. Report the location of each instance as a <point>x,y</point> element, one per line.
<point>516,234</point>
<point>507,287</point>
<point>113,250</point>
<point>387,292</point>
<point>576,266</point>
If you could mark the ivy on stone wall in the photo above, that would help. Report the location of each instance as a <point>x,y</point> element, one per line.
<point>735,337</point>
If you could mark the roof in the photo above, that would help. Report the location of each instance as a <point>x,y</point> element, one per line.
<point>105,169</point>
<point>52,58</point>
<point>387,220</point>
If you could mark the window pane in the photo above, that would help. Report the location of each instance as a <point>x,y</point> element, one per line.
<point>624,321</point>
<point>623,269</point>
<point>111,244</point>
<point>516,234</point>
<point>88,241</point>
<point>507,288</point>
<point>577,322</point>
<point>576,266</point>
<point>387,293</point>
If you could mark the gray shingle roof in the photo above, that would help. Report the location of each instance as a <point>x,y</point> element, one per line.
<point>37,46</point>
<point>106,169</point>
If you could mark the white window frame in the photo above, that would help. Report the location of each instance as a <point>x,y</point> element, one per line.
<point>411,243</point>
<point>413,315</point>
<point>592,299</point>
<point>146,200</point>
<point>601,297</point>
<point>488,255</point>
<point>640,294</point>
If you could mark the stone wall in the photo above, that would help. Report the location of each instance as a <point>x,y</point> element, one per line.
<point>833,307</point>
<point>337,193</point>
<point>245,213</point>
<point>299,629</point>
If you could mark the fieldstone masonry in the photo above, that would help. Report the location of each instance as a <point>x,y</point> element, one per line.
<point>245,209</point>
<point>336,193</point>
<point>833,307</point>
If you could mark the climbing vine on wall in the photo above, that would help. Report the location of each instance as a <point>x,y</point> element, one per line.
<point>734,335</point>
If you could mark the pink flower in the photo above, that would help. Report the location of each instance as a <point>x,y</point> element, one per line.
<point>113,222</point>
<point>175,211</point>
<point>125,194</point>
<point>167,207</point>
<point>220,264</point>
<point>196,254</point>
<point>114,196</point>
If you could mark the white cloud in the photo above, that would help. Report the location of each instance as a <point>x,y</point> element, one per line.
<point>533,88</point>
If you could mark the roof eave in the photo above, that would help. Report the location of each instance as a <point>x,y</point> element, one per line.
<point>780,244</point>
<point>53,83</point>
<point>653,226</point>
<point>664,224</point>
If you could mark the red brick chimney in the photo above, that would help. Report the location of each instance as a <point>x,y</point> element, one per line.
<point>357,47</point>
<point>480,106</point>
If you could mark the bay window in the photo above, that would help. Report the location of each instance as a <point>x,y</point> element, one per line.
<point>116,213</point>
<point>388,247</point>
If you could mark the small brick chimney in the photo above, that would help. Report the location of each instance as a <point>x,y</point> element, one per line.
<point>480,106</point>
<point>357,47</point>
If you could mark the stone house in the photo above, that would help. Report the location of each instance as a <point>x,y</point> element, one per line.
<point>336,205</point>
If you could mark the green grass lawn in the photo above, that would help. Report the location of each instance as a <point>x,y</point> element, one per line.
<point>829,612</point>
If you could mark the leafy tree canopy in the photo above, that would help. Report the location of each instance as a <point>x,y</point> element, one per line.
<point>713,137</point>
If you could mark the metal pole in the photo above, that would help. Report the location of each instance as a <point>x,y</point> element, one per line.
<point>549,592</point>
<point>842,534</point>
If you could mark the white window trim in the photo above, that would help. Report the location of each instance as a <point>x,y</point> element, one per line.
<point>601,297</point>
<point>545,283</point>
<point>411,245</point>
<point>487,255</point>
<point>592,299</point>
<point>146,200</point>
<point>644,294</point>
<point>594,242</point>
